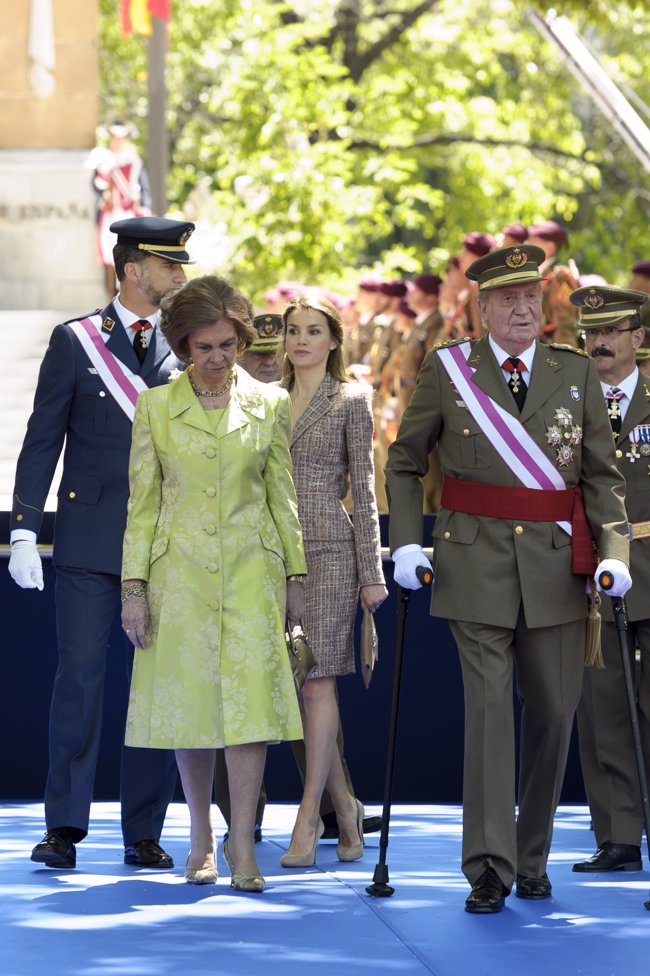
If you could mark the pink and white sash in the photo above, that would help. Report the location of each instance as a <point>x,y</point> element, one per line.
<point>122,384</point>
<point>506,433</point>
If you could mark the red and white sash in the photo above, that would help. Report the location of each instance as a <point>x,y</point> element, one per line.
<point>121,383</point>
<point>506,433</point>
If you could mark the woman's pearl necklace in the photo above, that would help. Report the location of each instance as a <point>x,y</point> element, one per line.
<point>211,393</point>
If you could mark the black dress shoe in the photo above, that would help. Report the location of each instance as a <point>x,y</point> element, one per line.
<point>370,826</point>
<point>56,850</point>
<point>612,857</point>
<point>533,887</point>
<point>147,854</point>
<point>488,894</point>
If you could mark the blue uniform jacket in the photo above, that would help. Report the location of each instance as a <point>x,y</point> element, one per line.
<point>72,406</point>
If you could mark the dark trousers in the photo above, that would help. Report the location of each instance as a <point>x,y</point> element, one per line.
<point>85,608</point>
<point>607,754</point>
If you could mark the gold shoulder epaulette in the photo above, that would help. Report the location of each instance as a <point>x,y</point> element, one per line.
<point>568,347</point>
<point>451,342</point>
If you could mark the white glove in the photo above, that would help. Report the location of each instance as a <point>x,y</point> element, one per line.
<point>25,565</point>
<point>619,571</point>
<point>407,559</point>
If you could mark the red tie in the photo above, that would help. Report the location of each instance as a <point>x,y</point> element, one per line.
<point>139,340</point>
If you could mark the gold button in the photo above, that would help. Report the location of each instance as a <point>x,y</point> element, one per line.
<point>19,518</point>
<point>447,535</point>
<point>466,432</point>
<point>619,454</point>
<point>102,393</point>
<point>72,494</point>
<point>210,492</point>
<point>519,529</point>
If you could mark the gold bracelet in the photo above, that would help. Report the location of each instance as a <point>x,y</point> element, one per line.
<point>136,589</point>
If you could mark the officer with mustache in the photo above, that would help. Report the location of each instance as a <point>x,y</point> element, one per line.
<point>612,320</point>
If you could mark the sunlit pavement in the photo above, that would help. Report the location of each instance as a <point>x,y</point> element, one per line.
<point>105,918</point>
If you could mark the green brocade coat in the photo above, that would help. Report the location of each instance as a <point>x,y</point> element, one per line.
<point>213,527</point>
<point>487,568</point>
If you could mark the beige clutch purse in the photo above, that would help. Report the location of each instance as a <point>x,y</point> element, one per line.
<point>369,647</point>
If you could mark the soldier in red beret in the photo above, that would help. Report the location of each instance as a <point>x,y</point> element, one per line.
<point>640,277</point>
<point>559,316</point>
<point>513,234</point>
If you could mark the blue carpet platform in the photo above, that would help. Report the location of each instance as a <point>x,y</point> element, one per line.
<point>107,919</point>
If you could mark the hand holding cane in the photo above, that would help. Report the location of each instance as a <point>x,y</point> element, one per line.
<point>605,581</point>
<point>380,887</point>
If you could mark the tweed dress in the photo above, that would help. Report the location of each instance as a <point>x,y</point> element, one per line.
<point>331,449</point>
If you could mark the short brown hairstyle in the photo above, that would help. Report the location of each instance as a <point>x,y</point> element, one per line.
<point>335,362</point>
<point>205,301</point>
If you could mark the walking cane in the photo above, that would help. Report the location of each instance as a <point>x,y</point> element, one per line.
<point>380,887</point>
<point>606,581</point>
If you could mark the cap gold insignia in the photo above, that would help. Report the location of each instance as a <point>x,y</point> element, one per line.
<point>184,238</point>
<point>269,327</point>
<point>594,300</point>
<point>108,324</point>
<point>516,258</point>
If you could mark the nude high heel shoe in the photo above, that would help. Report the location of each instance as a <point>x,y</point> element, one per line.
<point>304,860</point>
<point>242,882</point>
<point>355,851</point>
<point>204,875</point>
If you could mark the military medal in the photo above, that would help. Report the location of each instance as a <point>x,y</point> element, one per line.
<point>564,435</point>
<point>640,440</point>
<point>633,453</point>
<point>514,383</point>
<point>575,393</point>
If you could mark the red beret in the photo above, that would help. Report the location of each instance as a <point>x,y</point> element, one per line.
<point>368,283</point>
<point>549,230</point>
<point>428,283</point>
<point>478,244</point>
<point>396,288</point>
<point>405,309</point>
<point>517,231</point>
<point>642,268</point>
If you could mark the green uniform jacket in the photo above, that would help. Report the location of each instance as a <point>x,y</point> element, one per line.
<point>486,567</point>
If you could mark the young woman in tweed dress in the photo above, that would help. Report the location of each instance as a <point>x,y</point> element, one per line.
<point>331,450</point>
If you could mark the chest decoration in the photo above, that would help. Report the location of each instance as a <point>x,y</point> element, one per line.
<point>575,393</point>
<point>564,436</point>
<point>639,438</point>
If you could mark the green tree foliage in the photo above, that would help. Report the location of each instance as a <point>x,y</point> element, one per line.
<point>316,137</point>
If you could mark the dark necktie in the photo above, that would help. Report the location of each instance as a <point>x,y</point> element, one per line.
<point>516,383</point>
<point>139,339</point>
<point>612,397</point>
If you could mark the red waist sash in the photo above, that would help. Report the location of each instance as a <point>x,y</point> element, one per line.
<point>527,505</point>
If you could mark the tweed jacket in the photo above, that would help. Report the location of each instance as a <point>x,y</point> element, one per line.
<point>331,449</point>
<point>635,467</point>
<point>72,406</point>
<point>486,567</point>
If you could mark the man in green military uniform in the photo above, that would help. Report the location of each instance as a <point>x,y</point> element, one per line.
<point>526,452</point>
<point>611,321</point>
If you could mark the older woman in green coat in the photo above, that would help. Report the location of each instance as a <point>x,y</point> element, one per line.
<point>213,565</point>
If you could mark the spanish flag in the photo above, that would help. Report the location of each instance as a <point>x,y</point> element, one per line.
<point>137,14</point>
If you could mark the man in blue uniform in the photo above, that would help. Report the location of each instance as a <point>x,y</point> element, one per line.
<point>88,383</point>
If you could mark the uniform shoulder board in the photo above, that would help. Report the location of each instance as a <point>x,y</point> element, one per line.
<point>84,315</point>
<point>568,347</point>
<point>450,342</point>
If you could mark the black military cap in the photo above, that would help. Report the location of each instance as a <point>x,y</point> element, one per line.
<point>157,235</point>
<point>601,306</point>
<point>516,265</point>
<point>270,332</point>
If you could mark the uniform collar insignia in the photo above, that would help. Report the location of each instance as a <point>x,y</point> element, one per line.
<point>108,324</point>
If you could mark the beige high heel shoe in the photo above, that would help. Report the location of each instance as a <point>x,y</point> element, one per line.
<point>204,875</point>
<point>355,851</point>
<point>242,882</point>
<point>304,860</point>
